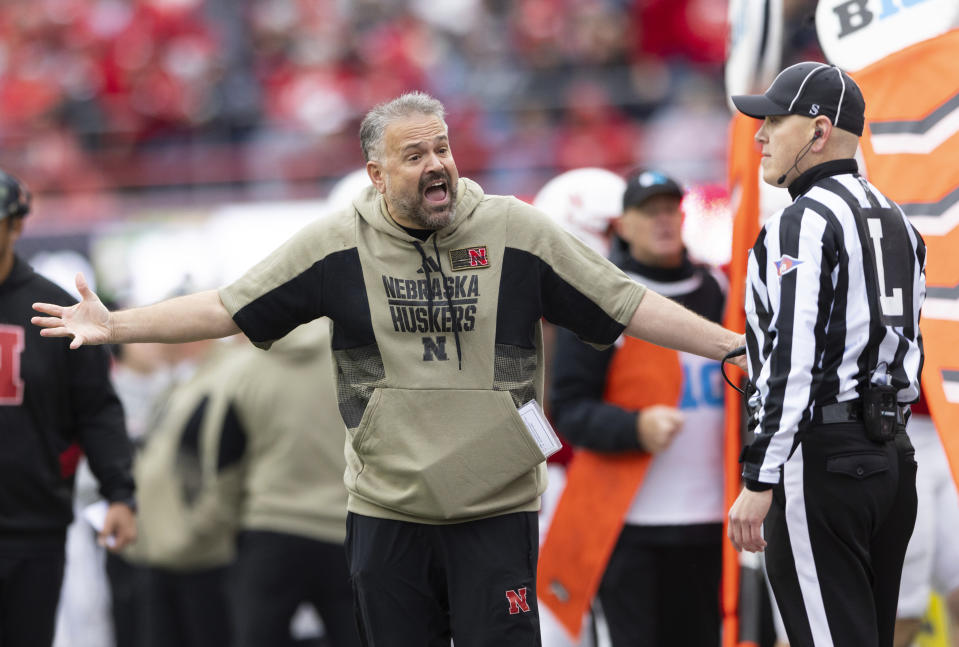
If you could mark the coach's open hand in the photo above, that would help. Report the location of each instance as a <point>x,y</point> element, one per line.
<point>88,322</point>
<point>746,520</point>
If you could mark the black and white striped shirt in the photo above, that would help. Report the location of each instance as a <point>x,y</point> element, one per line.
<point>809,326</point>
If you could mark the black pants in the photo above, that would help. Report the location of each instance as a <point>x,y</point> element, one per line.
<point>274,573</point>
<point>656,594</point>
<point>29,593</point>
<point>418,585</point>
<point>127,606</point>
<point>836,536</point>
<point>185,609</point>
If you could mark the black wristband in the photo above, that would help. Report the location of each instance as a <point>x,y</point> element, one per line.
<point>129,501</point>
<point>757,486</point>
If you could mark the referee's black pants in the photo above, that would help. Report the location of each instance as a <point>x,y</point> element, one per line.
<point>418,585</point>
<point>836,536</point>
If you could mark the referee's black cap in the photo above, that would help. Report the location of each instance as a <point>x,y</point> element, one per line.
<point>14,197</point>
<point>810,89</point>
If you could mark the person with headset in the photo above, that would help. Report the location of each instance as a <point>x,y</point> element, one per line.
<point>55,406</point>
<point>835,283</point>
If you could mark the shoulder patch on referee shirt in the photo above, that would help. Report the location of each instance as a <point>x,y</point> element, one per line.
<point>787,264</point>
<point>469,258</point>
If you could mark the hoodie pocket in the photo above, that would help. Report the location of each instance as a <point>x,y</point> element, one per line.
<point>445,454</point>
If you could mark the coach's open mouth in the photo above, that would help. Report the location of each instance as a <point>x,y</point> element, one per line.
<point>436,192</point>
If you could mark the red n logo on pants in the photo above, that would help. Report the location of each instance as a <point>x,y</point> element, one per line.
<point>11,384</point>
<point>517,601</point>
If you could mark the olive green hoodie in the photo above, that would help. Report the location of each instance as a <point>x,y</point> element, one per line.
<point>437,343</point>
<point>292,438</point>
<point>251,440</point>
<point>183,522</point>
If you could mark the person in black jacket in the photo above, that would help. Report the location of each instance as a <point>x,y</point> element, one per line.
<point>661,583</point>
<point>54,404</point>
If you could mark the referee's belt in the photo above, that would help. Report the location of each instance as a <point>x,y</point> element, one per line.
<point>838,412</point>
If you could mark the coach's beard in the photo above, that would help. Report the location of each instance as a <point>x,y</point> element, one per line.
<point>418,210</point>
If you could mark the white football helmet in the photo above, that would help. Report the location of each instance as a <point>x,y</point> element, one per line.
<point>585,202</point>
<point>346,188</point>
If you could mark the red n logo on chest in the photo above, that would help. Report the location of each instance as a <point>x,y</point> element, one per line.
<point>478,256</point>
<point>11,383</point>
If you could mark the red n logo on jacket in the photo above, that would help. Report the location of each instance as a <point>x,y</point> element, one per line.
<point>477,256</point>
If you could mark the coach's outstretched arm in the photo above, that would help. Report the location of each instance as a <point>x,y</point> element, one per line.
<point>664,322</point>
<point>182,319</point>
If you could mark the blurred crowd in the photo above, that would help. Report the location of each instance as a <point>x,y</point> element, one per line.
<point>134,94</point>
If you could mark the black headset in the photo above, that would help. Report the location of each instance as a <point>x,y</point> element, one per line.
<point>816,135</point>
<point>14,197</point>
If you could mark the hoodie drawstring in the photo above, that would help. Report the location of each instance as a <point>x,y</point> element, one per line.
<point>446,293</point>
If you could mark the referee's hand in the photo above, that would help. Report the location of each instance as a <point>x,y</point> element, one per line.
<point>746,520</point>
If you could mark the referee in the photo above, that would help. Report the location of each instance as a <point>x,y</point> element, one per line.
<point>835,283</point>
